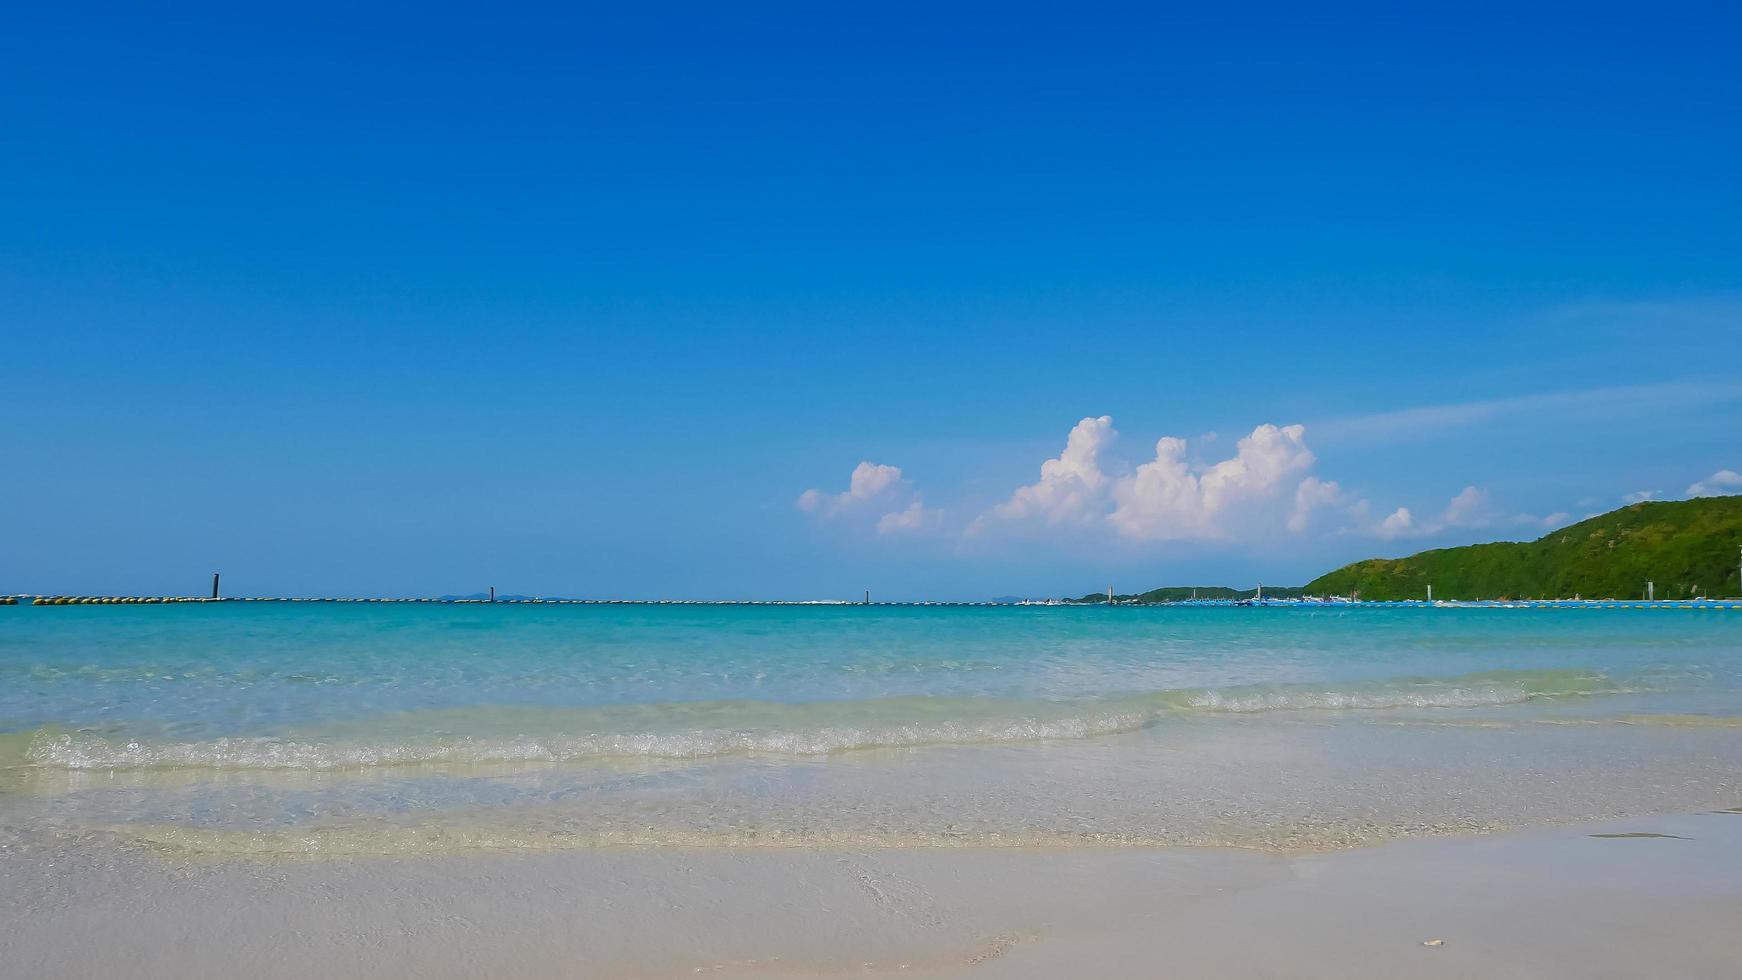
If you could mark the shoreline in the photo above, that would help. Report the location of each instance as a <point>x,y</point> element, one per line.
<point>1314,603</point>
<point>1652,896</point>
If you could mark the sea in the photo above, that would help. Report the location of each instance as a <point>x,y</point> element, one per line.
<point>288,731</point>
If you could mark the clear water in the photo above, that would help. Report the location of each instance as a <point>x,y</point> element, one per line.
<point>358,728</point>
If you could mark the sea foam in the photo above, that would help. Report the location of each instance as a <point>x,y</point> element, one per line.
<point>698,730</point>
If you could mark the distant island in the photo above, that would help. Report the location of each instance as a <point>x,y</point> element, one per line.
<point>1686,548</point>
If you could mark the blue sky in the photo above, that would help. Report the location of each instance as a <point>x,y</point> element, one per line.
<point>574,300</point>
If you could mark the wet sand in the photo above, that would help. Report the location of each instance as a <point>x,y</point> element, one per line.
<point>1656,896</point>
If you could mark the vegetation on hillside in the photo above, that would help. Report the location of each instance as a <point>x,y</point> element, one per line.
<point>1687,547</point>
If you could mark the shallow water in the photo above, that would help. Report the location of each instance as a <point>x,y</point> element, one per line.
<point>276,729</point>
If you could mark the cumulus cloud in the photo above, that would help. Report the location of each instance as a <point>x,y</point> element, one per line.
<point>1086,493</point>
<point>871,483</point>
<point>916,517</point>
<point>1720,484</point>
<point>1400,523</point>
<point>1167,498</point>
<point>1072,486</point>
<point>1468,509</point>
<point>1173,497</point>
<point>878,496</point>
<point>1313,495</point>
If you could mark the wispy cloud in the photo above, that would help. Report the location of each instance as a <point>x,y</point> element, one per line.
<point>1629,318</point>
<point>1587,404</point>
<point>1470,508</point>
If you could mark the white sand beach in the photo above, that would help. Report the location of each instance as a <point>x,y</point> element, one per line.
<point>1648,897</point>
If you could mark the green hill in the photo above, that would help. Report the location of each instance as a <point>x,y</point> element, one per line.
<point>1688,547</point>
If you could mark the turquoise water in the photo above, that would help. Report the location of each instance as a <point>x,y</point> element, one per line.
<point>360,728</point>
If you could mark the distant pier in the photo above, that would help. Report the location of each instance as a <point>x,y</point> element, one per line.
<point>1311,604</point>
<point>73,600</point>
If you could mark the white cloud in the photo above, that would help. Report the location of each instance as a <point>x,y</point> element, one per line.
<point>1640,496</point>
<point>1262,460</point>
<point>1084,493</point>
<point>1469,509</point>
<point>877,496</point>
<point>1071,488</point>
<point>1167,498</point>
<point>1719,484</point>
<point>1312,495</point>
<point>917,517</point>
<point>870,483</point>
<point>1399,524</point>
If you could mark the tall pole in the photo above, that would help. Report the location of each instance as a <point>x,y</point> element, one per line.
<point>1650,591</point>
<point>214,585</point>
<point>492,593</point>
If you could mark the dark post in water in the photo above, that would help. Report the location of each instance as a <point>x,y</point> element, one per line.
<point>214,585</point>
<point>492,593</point>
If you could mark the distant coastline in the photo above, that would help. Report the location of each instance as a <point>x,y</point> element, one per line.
<point>1659,554</point>
<point>1657,550</point>
<point>1288,602</point>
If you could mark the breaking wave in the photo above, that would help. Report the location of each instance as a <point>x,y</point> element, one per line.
<point>696,730</point>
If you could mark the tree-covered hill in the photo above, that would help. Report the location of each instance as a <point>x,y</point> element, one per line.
<point>1688,547</point>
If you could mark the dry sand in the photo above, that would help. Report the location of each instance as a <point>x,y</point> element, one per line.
<point>1649,897</point>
